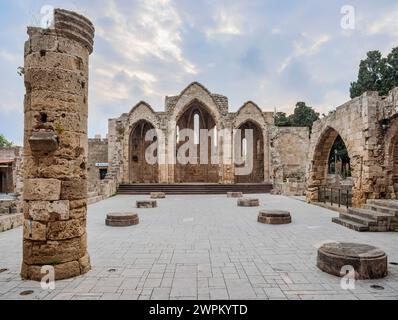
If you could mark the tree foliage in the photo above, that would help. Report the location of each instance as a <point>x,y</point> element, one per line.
<point>376,73</point>
<point>4,143</point>
<point>303,116</point>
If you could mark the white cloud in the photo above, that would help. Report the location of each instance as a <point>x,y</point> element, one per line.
<point>153,29</point>
<point>9,57</point>
<point>228,22</point>
<point>306,46</point>
<point>387,24</point>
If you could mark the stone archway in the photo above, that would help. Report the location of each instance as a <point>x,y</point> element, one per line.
<point>197,117</point>
<point>322,172</point>
<point>391,160</point>
<point>140,170</point>
<point>257,174</point>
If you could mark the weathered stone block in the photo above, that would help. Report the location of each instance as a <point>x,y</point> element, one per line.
<point>245,202</point>
<point>34,230</point>
<point>158,195</point>
<point>45,211</point>
<point>62,230</point>
<point>147,204</point>
<point>74,189</point>
<point>51,252</point>
<point>368,262</point>
<point>234,194</point>
<point>42,189</point>
<point>121,219</point>
<point>274,217</point>
<point>85,264</point>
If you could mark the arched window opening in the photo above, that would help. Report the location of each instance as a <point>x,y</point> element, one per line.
<point>215,137</point>
<point>244,148</point>
<point>339,161</point>
<point>196,128</point>
<point>178,134</point>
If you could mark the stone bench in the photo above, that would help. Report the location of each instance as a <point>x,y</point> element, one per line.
<point>245,202</point>
<point>368,262</point>
<point>122,219</point>
<point>146,204</point>
<point>234,194</point>
<point>158,195</point>
<point>274,217</point>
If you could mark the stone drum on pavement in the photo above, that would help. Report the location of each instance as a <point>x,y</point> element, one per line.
<point>245,202</point>
<point>122,219</point>
<point>274,217</point>
<point>234,194</point>
<point>368,262</point>
<point>146,204</point>
<point>158,195</point>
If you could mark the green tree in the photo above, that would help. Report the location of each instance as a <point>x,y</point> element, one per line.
<point>303,116</point>
<point>376,73</point>
<point>281,120</point>
<point>390,71</point>
<point>4,142</point>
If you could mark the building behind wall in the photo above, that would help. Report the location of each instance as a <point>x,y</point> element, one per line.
<point>280,154</point>
<point>97,164</point>
<point>10,169</point>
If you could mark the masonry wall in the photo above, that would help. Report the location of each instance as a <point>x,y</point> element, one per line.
<point>289,148</point>
<point>97,153</point>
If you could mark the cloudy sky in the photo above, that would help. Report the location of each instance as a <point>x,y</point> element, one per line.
<point>270,51</point>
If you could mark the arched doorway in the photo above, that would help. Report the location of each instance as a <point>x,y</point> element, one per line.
<point>142,171</point>
<point>196,117</point>
<point>257,174</point>
<point>392,162</point>
<point>331,165</point>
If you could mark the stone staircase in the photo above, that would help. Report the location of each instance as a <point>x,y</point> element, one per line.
<point>375,216</point>
<point>197,189</point>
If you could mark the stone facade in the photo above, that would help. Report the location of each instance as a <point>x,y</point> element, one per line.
<point>97,163</point>
<point>11,170</point>
<point>55,147</point>
<point>279,153</point>
<point>368,126</point>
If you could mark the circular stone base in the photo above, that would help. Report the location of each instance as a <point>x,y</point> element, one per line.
<point>234,194</point>
<point>146,204</point>
<point>245,202</point>
<point>274,217</point>
<point>121,219</point>
<point>158,195</point>
<point>368,262</point>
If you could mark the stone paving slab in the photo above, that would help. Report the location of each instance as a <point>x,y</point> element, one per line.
<point>203,247</point>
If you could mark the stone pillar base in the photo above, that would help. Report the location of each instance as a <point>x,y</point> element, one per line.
<point>61,271</point>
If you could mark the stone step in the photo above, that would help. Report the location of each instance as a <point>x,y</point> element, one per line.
<point>382,209</point>
<point>358,219</point>
<point>351,224</point>
<point>384,203</point>
<point>370,214</point>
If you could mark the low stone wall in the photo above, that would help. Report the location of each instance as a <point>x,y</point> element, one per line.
<point>10,221</point>
<point>8,206</point>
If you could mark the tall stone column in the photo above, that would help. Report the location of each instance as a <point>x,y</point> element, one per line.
<point>56,146</point>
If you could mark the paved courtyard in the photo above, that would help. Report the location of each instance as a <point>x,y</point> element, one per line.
<point>204,247</point>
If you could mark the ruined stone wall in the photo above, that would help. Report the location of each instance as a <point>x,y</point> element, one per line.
<point>283,153</point>
<point>97,154</point>
<point>55,147</point>
<point>289,148</point>
<point>356,122</point>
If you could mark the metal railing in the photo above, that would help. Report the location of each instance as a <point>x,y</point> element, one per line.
<point>341,197</point>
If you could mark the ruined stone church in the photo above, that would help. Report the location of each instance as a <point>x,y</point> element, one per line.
<point>278,153</point>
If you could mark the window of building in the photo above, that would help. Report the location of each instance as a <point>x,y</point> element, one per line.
<point>103,173</point>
